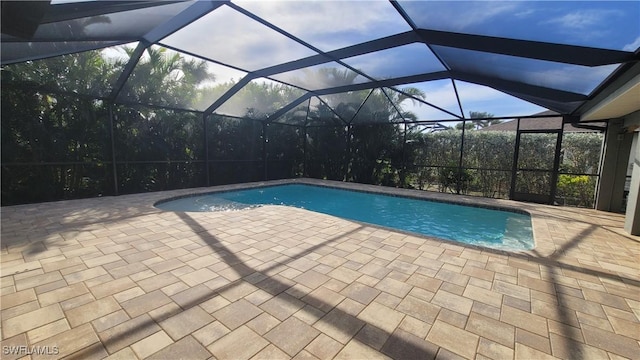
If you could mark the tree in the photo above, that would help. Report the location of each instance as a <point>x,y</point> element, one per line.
<point>164,77</point>
<point>377,155</point>
<point>56,140</point>
<point>164,144</point>
<point>467,125</point>
<point>478,120</point>
<point>486,119</point>
<point>54,133</point>
<point>258,100</point>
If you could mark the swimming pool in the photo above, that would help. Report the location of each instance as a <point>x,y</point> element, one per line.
<point>470,225</point>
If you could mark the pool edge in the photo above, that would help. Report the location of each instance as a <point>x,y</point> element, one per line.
<point>464,200</point>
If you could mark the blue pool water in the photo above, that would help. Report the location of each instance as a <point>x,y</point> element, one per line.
<point>470,225</point>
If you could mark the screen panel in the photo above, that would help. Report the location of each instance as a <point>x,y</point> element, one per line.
<point>377,109</point>
<point>601,24</point>
<point>259,99</point>
<point>573,78</point>
<point>166,77</point>
<point>91,72</point>
<point>128,25</point>
<point>330,25</point>
<point>346,104</point>
<point>322,76</point>
<point>230,37</point>
<point>406,60</point>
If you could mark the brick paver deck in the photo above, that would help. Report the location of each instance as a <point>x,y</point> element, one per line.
<point>115,277</point>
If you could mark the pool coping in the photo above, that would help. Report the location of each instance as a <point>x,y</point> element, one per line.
<point>375,189</point>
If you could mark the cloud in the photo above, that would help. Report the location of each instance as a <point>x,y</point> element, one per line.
<point>229,37</point>
<point>633,46</point>
<point>577,20</point>
<point>462,16</point>
<point>525,13</point>
<point>439,93</point>
<point>579,79</point>
<point>411,59</point>
<point>473,97</point>
<point>481,98</point>
<point>587,22</point>
<point>329,25</point>
<point>224,74</point>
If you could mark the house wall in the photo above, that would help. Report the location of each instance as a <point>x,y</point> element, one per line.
<point>611,186</point>
<point>632,218</point>
<point>621,157</point>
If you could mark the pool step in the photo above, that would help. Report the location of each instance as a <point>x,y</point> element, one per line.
<point>518,229</point>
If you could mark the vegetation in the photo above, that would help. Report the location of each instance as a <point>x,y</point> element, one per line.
<point>576,190</point>
<point>484,120</point>
<point>60,142</point>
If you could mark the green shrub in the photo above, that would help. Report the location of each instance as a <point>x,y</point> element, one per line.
<point>576,190</point>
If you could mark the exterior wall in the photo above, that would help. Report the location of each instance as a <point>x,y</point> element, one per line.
<point>614,168</point>
<point>632,218</point>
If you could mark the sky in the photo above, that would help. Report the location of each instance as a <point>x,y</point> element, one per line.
<point>473,97</point>
<point>231,37</point>
<point>608,24</point>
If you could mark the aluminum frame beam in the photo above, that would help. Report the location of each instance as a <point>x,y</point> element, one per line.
<point>561,53</point>
<point>518,87</point>
<point>385,43</point>
<point>76,10</point>
<point>192,13</point>
<point>568,54</point>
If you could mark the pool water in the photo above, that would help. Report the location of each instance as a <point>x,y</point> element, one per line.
<point>471,225</point>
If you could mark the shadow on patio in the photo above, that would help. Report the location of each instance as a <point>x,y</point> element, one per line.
<point>343,324</point>
<point>320,309</point>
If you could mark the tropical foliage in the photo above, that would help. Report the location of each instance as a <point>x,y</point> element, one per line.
<point>485,120</point>
<point>63,136</point>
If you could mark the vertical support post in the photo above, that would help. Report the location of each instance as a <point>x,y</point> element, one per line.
<point>304,151</point>
<point>596,194</point>
<point>632,212</point>
<point>613,170</point>
<point>556,163</point>
<point>348,157</point>
<point>514,165</point>
<point>304,144</point>
<point>459,172</point>
<point>206,148</point>
<point>113,151</point>
<point>265,125</point>
<point>403,169</point>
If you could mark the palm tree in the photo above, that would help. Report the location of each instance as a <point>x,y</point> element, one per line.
<point>478,120</point>
<point>167,78</point>
<point>486,119</point>
<point>48,116</point>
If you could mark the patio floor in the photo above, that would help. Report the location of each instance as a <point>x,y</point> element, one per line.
<point>115,277</point>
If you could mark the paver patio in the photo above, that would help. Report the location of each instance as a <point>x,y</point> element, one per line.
<point>116,278</point>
